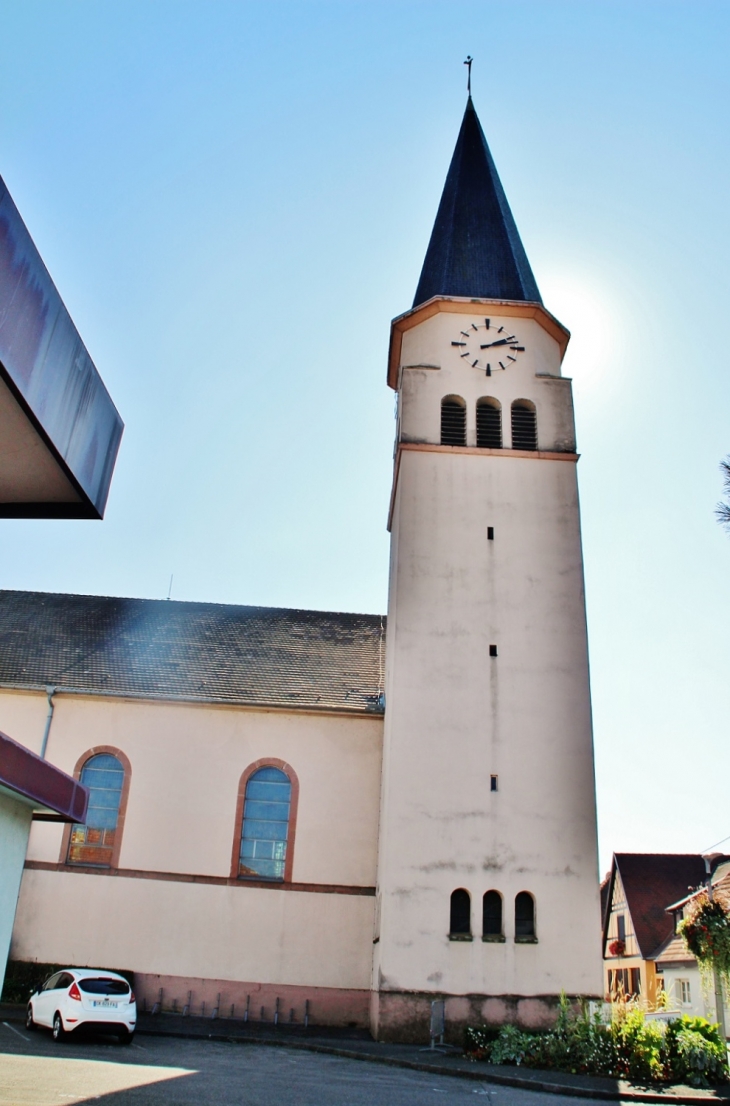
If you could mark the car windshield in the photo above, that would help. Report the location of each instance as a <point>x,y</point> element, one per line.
<point>104,986</point>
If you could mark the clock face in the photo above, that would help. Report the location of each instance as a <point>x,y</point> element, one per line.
<point>488,346</point>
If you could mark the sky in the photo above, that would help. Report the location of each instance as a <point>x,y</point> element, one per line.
<point>234,200</point>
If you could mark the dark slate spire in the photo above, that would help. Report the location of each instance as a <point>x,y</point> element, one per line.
<point>475,249</point>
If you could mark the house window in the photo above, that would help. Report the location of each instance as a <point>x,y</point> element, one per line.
<point>266,808</point>
<point>621,927</point>
<point>635,981</point>
<point>685,994</point>
<point>524,425</point>
<point>93,843</point>
<point>524,917</point>
<point>453,421</point>
<point>619,983</point>
<point>489,424</point>
<point>460,921</point>
<point>492,916</point>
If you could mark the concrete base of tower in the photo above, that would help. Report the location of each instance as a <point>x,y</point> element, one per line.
<point>405,1016</point>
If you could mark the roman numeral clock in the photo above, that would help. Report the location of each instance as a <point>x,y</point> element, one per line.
<point>476,344</point>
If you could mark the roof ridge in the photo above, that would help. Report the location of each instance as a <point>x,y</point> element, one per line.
<point>191,603</point>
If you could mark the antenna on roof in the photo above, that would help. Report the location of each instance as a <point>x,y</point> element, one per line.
<point>169,590</point>
<point>467,63</point>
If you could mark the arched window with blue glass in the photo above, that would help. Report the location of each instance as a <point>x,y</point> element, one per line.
<point>96,843</point>
<point>266,836</point>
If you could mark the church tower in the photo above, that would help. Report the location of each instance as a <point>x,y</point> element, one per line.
<point>487,880</point>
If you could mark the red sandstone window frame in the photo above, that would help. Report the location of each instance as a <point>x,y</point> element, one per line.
<point>121,816</point>
<point>266,762</point>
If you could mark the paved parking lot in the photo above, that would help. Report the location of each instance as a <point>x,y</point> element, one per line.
<point>155,1071</point>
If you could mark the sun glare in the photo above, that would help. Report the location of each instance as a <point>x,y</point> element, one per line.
<point>591,312</point>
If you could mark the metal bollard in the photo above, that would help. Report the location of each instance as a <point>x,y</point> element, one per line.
<point>186,1007</point>
<point>158,1005</point>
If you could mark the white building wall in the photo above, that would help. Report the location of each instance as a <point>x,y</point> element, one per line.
<point>15,819</point>
<point>455,716</point>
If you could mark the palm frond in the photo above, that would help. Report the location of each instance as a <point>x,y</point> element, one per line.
<point>722,510</point>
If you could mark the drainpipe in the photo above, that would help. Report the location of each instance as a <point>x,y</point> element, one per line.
<point>719,998</point>
<point>50,692</point>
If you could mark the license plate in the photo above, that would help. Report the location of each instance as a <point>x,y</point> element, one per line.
<point>104,1002</point>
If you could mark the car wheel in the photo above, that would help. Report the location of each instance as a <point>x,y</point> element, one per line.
<point>29,1023</point>
<point>58,1031</point>
<point>125,1037</point>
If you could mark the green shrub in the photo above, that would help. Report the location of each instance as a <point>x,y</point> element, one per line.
<point>686,1050</point>
<point>696,1053</point>
<point>639,1047</point>
<point>513,1046</point>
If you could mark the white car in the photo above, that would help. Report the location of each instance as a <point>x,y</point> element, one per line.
<point>87,997</point>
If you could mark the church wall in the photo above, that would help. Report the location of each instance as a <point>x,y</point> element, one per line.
<point>456,715</point>
<point>187,761</point>
<point>186,764</point>
<point>198,937</point>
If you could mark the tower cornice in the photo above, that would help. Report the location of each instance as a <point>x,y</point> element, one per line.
<point>458,305</point>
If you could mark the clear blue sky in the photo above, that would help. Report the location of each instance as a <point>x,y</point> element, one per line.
<point>234,199</point>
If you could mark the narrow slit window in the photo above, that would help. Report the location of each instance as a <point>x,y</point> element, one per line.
<point>493,783</point>
<point>524,425</point>
<point>93,843</point>
<point>453,421</point>
<point>490,533</point>
<point>492,914</point>
<point>524,917</point>
<point>460,921</point>
<point>489,424</point>
<point>493,650</point>
<point>265,833</point>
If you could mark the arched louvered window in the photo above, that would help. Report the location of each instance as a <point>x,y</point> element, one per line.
<point>492,915</point>
<point>524,917</point>
<point>460,924</point>
<point>93,843</point>
<point>453,421</point>
<point>524,425</point>
<point>265,832</point>
<point>489,424</point>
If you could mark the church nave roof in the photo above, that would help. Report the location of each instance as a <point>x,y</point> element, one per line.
<point>209,652</point>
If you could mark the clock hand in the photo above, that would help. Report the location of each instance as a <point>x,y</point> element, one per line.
<point>501,342</point>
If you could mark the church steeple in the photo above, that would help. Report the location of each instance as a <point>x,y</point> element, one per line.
<point>475,248</point>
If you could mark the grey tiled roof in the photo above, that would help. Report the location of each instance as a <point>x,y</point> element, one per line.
<point>207,652</point>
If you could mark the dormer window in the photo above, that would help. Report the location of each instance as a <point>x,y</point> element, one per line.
<point>453,421</point>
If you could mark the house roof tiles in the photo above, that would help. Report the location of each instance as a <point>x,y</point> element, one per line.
<point>651,881</point>
<point>208,652</point>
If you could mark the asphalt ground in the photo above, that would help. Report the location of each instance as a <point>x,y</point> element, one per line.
<point>164,1071</point>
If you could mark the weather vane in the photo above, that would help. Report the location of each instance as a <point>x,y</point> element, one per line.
<point>467,63</point>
